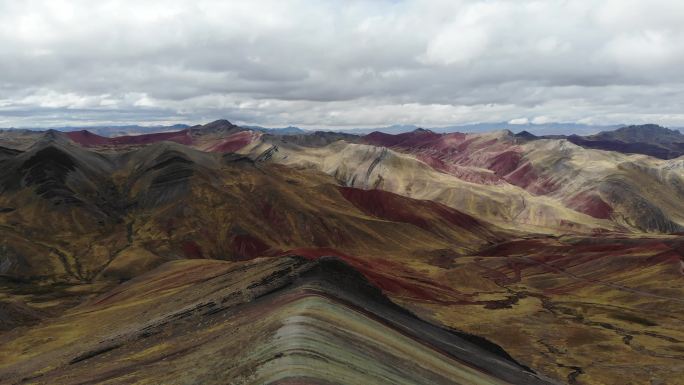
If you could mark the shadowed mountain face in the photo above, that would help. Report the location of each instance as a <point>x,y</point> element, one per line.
<point>92,209</point>
<point>204,256</point>
<point>647,133</point>
<point>647,139</point>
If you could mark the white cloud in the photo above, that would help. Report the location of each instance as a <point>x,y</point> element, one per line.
<point>464,39</point>
<point>341,63</point>
<point>519,121</point>
<point>541,120</point>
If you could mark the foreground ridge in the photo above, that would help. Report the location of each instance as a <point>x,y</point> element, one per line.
<point>266,321</point>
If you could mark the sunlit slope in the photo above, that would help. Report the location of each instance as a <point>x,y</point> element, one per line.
<point>636,192</point>
<point>372,167</point>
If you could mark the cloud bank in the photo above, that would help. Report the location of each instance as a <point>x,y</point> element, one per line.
<point>341,63</point>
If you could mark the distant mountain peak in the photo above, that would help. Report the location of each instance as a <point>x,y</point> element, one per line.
<point>86,132</point>
<point>644,133</point>
<point>289,130</point>
<point>52,136</point>
<point>649,128</point>
<point>220,122</point>
<point>525,135</point>
<point>217,124</point>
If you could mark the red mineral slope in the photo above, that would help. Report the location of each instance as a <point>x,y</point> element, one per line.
<point>591,204</point>
<point>505,163</point>
<point>527,177</point>
<point>482,159</point>
<point>638,192</point>
<point>88,139</point>
<point>492,158</point>
<point>427,215</point>
<point>246,246</point>
<point>219,136</point>
<point>234,142</point>
<point>417,138</point>
<point>393,278</point>
<point>604,262</point>
<point>182,137</point>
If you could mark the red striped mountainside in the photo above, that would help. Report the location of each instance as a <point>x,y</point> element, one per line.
<point>604,185</point>
<point>209,135</point>
<point>88,139</point>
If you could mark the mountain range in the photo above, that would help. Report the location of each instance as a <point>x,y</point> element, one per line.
<point>551,128</point>
<point>536,128</point>
<point>648,139</point>
<point>219,253</point>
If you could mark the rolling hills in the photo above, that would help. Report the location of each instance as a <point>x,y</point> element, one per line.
<point>545,185</point>
<point>220,254</point>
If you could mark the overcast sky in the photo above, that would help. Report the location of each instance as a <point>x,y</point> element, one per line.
<point>341,63</point>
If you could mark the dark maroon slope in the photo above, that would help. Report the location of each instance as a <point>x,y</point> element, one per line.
<point>88,139</point>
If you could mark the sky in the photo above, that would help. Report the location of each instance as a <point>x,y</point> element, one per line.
<point>341,63</point>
